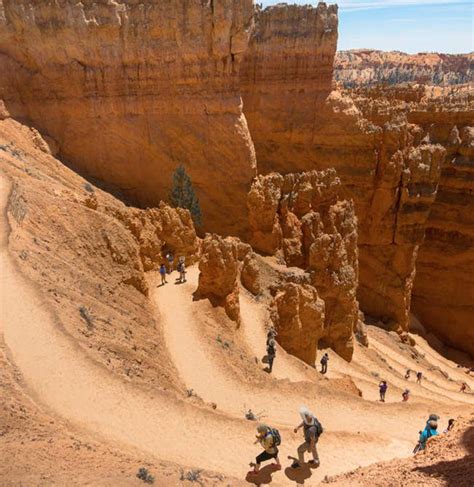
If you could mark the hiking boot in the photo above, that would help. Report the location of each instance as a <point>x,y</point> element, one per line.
<point>296,465</point>
<point>314,463</point>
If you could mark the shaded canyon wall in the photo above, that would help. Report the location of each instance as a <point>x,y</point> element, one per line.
<point>129,90</point>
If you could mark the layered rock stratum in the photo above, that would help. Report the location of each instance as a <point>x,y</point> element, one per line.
<point>369,67</point>
<point>304,218</point>
<point>136,89</point>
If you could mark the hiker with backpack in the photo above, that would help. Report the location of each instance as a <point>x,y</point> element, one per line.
<point>182,270</point>
<point>428,432</point>
<point>383,386</point>
<point>463,387</point>
<point>419,376</point>
<point>271,353</point>
<point>407,374</point>
<point>270,440</point>
<point>324,363</point>
<point>312,430</point>
<point>406,395</point>
<point>163,274</point>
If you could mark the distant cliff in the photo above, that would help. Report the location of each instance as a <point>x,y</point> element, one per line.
<point>365,67</point>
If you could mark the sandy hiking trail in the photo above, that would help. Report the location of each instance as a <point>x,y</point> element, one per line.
<point>59,376</point>
<point>197,362</point>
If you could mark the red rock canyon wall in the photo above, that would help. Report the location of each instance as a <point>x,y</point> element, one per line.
<point>129,90</point>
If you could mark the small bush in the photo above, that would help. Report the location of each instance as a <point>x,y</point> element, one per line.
<point>86,316</point>
<point>191,475</point>
<point>144,475</point>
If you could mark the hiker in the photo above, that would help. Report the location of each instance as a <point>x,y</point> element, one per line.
<point>450,426</point>
<point>419,376</point>
<point>272,333</point>
<point>182,270</point>
<point>170,260</point>
<point>163,274</point>
<point>270,439</point>
<point>428,432</point>
<point>407,375</point>
<point>383,390</point>
<point>324,363</point>
<point>312,430</point>
<point>406,395</point>
<point>271,353</point>
<point>463,387</point>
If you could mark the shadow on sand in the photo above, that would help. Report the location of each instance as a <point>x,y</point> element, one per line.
<point>263,477</point>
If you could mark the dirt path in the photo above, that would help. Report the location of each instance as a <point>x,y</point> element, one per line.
<point>58,375</point>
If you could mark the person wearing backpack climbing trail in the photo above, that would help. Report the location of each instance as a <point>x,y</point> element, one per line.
<point>271,353</point>
<point>312,430</point>
<point>269,439</point>
<point>427,433</point>
<point>324,363</point>
<point>383,386</point>
<point>419,376</point>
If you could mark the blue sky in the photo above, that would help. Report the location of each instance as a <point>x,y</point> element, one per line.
<point>404,25</point>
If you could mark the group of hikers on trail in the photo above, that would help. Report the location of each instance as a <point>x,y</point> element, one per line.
<point>168,267</point>
<point>430,431</point>
<point>269,358</point>
<point>270,439</point>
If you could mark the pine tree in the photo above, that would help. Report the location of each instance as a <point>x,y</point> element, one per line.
<point>182,194</point>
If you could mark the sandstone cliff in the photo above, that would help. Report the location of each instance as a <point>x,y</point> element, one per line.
<point>366,67</point>
<point>443,287</point>
<point>298,124</point>
<point>129,90</point>
<point>304,218</point>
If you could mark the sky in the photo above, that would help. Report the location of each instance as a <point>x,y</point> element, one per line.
<point>403,25</point>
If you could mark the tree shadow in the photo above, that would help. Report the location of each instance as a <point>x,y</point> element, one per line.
<point>456,473</point>
<point>264,475</point>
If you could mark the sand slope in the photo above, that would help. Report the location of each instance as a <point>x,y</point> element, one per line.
<point>59,376</point>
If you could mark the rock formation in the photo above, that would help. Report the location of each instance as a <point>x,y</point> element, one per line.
<point>391,178</point>
<point>287,69</point>
<point>135,90</point>
<point>368,67</point>
<point>298,316</point>
<point>219,273</point>
<point>317,230</point>
<point>442,290</point>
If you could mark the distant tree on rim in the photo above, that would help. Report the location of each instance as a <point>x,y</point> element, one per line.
<point>182,194</point>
